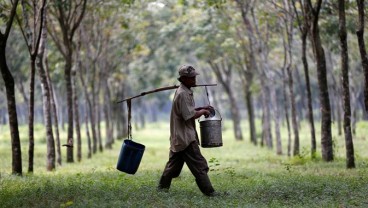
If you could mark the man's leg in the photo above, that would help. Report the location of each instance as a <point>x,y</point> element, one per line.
<point>199,167</point>
<point>172,170</point>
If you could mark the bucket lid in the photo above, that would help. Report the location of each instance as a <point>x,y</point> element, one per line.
<point>214,116</point>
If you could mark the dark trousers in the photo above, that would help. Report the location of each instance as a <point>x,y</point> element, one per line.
<point>196,163</point>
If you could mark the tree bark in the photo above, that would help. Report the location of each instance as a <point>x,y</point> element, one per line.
<point>304,27</point>
<point>69,100</point>
<point>296,150</point>
<point>363,52</point>
<point>98,112</point>
<point>31,116</point>
<point>109,138</point>
<point>47,117</point>
<point>266,115</point>
<point>76,114</point>
<point>288,61</point>
<point>10,95</point>
<point>286,110</point>
<point>50,165</point>
<point>350,161</point>
<point>69,14</point>
<point>244,9</point>
<point>326,137</point>
<point>91,114</point>
<point>276,117</point>
<point>251,117</point>
<point>89,155</point>
<point>309,97</point>
<point>12,110</point>
<point>54,111</point>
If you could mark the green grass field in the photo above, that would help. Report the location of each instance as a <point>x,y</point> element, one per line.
<point>252,176</point>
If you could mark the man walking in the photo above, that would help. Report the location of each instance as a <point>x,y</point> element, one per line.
<point>183,136</point>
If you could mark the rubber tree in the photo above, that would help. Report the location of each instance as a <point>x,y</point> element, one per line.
<point>46,95</point>
<point>288,42</point>
<point>31,29</point>
<point>363,52</point>
<point>257,26</point>
<point>10,93</point>
<point>350,160</point>
<point>250,62</point>
<point>303,18</point>
<point>319,54</point>
<point>67,16</point>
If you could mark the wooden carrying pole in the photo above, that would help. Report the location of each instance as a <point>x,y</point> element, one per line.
<point>129,101</point>
<point>162,89</point>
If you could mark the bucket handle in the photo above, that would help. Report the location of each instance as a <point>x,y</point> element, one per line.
<point>218,112</point>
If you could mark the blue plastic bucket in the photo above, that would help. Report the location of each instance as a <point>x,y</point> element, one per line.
<point>130,156</point>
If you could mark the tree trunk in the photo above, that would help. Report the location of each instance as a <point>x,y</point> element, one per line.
<point>94,119</point>
<point>69,92</point>
<point>309,96</point>
<point>109,138</point>
<point>276,117</point>
<point>69,14</point>
<point>251,117</point>
<point>31,115</point>
<point>87,131</point>
<point>363,53</point>
<point>300,92</point>
<point>304,27</point>
<point>47,116</point>
<point>100,146</point>
<point>10,95</point>
<point>326,137</point>
<point>350,161</point>
<point>76,114</point>
<point>91,114</point>
<point>46,99</point>
<point>219,71</point>
<point>293,112</point>
<point>12,110</point>
<point>339,131</point>
<point>121,116</point>
<point>266,117</point>
<point>247,80</point>
<point>98,112</point>
<point>55,114</point>
<point>286,110</point>
<point>288,42</point>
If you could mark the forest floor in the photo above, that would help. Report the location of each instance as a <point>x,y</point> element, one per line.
<point>251,176</point>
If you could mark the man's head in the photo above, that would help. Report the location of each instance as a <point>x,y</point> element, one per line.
<point>187,75</point>
<point>187,71</point>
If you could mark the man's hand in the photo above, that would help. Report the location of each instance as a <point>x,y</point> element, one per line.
<point>206,113</point>
<point>208,107</point>
<point>201,112</point>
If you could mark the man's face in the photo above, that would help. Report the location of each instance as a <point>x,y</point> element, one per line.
<point>189,81</point>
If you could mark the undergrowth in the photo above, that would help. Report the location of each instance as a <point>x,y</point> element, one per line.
<point>248,175</point>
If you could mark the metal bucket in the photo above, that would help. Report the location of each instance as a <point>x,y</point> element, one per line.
<point>211,131</point>
<point>130,156</point>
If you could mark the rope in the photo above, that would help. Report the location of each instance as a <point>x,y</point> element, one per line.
<point>209,103</point>
<point>129,106</point>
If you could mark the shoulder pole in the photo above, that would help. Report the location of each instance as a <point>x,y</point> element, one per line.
<point>161,89</point>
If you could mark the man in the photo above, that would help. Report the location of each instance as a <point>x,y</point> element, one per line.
<point>183,136</point>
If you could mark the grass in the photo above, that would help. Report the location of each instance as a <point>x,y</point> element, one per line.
<point>252,176</point>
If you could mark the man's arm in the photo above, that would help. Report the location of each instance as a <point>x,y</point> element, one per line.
<point>201,112</point>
